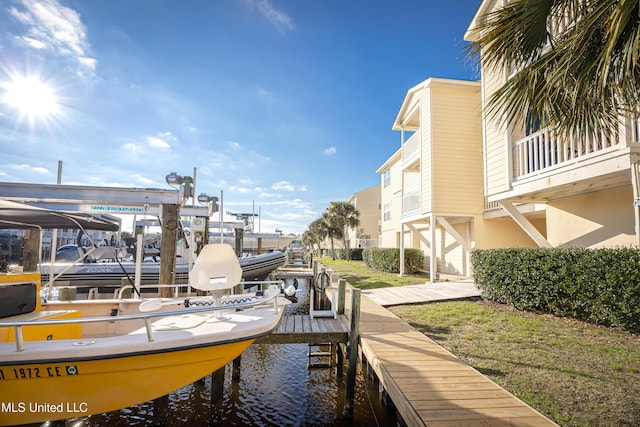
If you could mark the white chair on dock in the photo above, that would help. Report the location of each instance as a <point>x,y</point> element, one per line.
<point>216,270</point>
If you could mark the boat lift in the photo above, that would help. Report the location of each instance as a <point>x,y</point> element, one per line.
<point>169,204</point>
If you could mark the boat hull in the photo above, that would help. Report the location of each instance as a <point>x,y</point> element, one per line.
<point>55,390</point>
<point>254,268</point>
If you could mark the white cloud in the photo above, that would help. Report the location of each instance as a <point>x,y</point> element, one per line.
<point>277,18</point>
<point>133,149</point>
<point>242,190</point>
<point>49,24</point>
<point>283,185</point>
<point>162,140</point>
<point>156,142</point>
<point>25,167</point>
<point>287,186</point>
<point>329,151</point>
<point>143,180</point>
<point>233,144</point>
<point>36,44</point>
<point>263,194</point>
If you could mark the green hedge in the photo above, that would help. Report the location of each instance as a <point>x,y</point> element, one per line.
<point>354,254</point>
<point>600,286</point>
<point>388,259</point>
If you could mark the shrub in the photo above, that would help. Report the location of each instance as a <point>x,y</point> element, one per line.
<point>354,254</point>
<point>388,259</point>
<point>600,286</point>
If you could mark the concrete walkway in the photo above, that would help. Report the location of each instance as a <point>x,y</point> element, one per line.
<point>428,292</point>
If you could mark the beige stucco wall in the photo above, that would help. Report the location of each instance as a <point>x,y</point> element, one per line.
<point>504,233</point>
<point>601,219</point>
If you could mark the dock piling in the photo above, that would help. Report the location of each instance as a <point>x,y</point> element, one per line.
<point>354,323</point>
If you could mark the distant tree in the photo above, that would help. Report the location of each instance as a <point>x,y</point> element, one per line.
<point>333,230</point>
<point>316,233</point>
<point>125,235</point>
<point>344,216</point>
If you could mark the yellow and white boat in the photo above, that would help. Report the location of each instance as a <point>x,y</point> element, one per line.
<point>64,359</point>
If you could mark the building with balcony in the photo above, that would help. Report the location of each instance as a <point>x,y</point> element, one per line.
<point>367,202</point>
<point>561,191</point>
<point>432,188</point>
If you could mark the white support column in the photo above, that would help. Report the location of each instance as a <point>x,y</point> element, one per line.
<point>433,268</point>
<point>635,182</point>
<point>524,223</point>
<point>401,249</point>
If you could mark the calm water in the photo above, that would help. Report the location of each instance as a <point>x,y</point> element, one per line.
<point>275,388</point>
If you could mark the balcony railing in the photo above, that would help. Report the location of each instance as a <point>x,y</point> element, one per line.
<point>544,150</point>
<point>411,203</point>
<point>411,148</point>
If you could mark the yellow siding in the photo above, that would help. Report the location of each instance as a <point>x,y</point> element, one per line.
<point>496,159</point>
<point>411,182</point>
<point>393,194</point>
<point>457,149</point>
<point>425,160</point>
<point>367,202</point>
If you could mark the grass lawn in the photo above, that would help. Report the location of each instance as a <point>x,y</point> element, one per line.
<point>575,373</point>
<point>362,277</point>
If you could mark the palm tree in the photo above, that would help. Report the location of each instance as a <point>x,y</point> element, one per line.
<point>315,233</point>
<point>344,216</point>
<point>332,230</point>
<point>575,64</point>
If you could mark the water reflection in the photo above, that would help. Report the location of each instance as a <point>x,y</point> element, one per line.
<point>275,388</point>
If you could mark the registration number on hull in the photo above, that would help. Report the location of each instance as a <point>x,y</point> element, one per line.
<point>44,371</point>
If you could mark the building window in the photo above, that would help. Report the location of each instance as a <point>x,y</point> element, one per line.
<point>387,178</point>
<point>386,215</point>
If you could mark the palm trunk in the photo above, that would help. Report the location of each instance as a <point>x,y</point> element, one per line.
<point>346,247</point>
<point>333,251</point>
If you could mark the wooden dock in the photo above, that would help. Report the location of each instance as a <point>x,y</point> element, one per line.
<point>428,385</point>
<point>302,329</point>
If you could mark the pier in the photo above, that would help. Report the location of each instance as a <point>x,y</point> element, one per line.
<point>425,384</point>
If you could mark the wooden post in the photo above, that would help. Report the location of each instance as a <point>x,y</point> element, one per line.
<point>31,250</point>
<point>239,233</point>
<point>161,411</point>
<point>342,285</point>
<point>235,371</point>
<point>168,248</point>
<point>353,354</point>
<point>217,396</point>
<point>314,266</point>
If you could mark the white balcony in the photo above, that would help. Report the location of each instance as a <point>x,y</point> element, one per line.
<point>543,152</point>
<point>411,203</point>
<point>411,152</point>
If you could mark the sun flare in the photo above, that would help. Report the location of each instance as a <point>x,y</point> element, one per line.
<point>31,97</point>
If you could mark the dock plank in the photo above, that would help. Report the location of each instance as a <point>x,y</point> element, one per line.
<point>301,329</point>
<point>431,386</point>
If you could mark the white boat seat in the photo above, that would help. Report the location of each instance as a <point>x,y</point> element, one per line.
<point>216,268</point>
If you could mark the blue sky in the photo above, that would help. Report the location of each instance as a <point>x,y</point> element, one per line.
<point>285,105</point>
